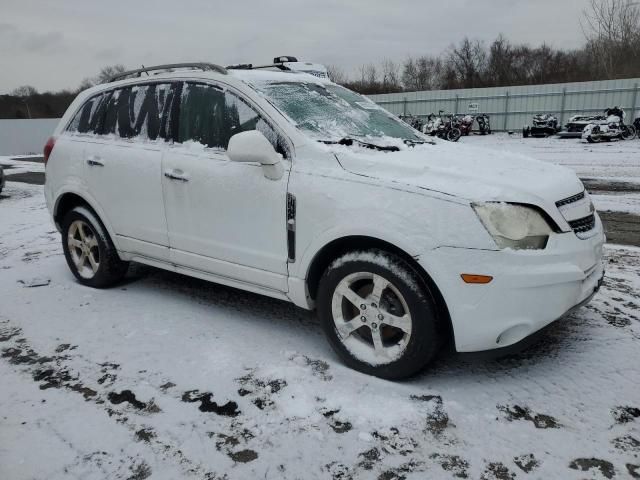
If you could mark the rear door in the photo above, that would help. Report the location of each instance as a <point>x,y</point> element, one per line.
<point>124,172</point>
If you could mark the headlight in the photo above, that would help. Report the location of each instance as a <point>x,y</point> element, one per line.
<point>514,226</point>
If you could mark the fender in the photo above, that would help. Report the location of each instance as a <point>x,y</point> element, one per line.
<point>402,242</point>
<point>79,190</point>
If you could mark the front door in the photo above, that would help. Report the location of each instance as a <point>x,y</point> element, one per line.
<point>223,217</point>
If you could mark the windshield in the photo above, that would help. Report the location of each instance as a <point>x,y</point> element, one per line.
<point>329,112</point>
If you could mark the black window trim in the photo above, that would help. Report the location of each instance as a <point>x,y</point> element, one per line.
<point>223,87</point>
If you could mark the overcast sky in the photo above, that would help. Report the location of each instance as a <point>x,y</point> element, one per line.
<point>54,44</point>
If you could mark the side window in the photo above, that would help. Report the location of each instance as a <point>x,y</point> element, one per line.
<point>87,119</point>
<point>211,116</point>
<point>139,111</point>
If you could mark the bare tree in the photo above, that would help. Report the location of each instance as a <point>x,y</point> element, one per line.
<point>390,76</point>
<point>24,91</point>
<point>612,30</point>
<point>109,71</point>
<point>422,73</point>
<point>103,76</point>
<point>467,62</point>
<point>336,74</point>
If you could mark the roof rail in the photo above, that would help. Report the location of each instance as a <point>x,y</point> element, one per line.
<point>196,66</point>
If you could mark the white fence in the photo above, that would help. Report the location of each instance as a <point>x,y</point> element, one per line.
<point>19,137</point>
<point>512,107</point>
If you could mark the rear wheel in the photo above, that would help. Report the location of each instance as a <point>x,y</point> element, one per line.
<point>378,315</point>
<point>89,251</point>
<point>629,132</point>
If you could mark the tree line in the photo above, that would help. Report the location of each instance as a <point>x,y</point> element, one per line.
<point>27,102</point>
<point>611,50</point>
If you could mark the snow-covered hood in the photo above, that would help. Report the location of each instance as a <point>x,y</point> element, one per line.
<point>471,173</point>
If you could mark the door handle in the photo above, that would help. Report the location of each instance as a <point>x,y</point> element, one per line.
<point>94,161</point>
<point>176,175</point>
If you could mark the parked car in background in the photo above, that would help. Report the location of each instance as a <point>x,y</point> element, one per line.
<point>285,184</point>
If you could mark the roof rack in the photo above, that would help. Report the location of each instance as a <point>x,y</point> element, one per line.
<point>278,62</point>
<point>250,66</point>
<point>196,66</point>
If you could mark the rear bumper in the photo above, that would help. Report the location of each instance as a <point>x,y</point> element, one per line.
<point>529,290</point>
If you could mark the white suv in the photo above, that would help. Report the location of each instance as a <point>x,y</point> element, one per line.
<point>285,184</point>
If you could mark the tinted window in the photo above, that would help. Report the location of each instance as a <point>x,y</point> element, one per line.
<point>140,111</point>
<point>211,116</point>
<point>87,120</point>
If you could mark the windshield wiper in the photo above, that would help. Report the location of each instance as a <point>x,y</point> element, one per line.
<point>413,143</point>
<point>348,141</point>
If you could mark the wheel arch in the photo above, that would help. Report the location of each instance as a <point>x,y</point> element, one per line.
<point>67,200</point>
<point>342,245</point>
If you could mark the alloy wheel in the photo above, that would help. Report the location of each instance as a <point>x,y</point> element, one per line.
<point>84,250</point>
<point>371,317</point>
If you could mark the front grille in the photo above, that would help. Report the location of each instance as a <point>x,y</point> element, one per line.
<point>572,199</point>
<point>583,224</point>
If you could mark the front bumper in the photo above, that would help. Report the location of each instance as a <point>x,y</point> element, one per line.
<point>529,290</point>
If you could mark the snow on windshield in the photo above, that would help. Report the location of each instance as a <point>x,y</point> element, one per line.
<point>331,112</point>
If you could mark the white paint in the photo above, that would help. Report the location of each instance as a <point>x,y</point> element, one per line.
<point>224,219</point>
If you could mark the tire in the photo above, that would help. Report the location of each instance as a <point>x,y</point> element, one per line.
<point>454,134</point>
<point>370,345</point>
<point>89,251</point>
<point>628,132</point>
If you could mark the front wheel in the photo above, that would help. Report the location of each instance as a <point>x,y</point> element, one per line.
<point>454,134</point>
<point>89,251</point>
<point>378,314</point>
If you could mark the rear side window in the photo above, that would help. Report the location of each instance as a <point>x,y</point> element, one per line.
<point>88,118</point>
<point>211,116</point>
<point>139,111</point>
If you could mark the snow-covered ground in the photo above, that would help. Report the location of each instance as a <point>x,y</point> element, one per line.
<point>612,160</point>
<point>170,377</point>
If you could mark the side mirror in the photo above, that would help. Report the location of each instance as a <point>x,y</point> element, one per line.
<point>253,147</point>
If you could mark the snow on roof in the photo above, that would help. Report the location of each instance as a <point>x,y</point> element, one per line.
<point>265,76</point>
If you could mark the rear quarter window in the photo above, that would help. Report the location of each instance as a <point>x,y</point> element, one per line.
<point>87,119</point>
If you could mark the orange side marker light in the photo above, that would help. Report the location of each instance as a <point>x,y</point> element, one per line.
<point>473,278</point>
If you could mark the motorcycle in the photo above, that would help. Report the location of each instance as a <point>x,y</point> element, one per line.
<point>543,126</point>
<point>484,124</point>
<point>464,123</point>
<point>576,124</point>
<point>414,122</point>
<point>438,126</point>
<point>611,128</point>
